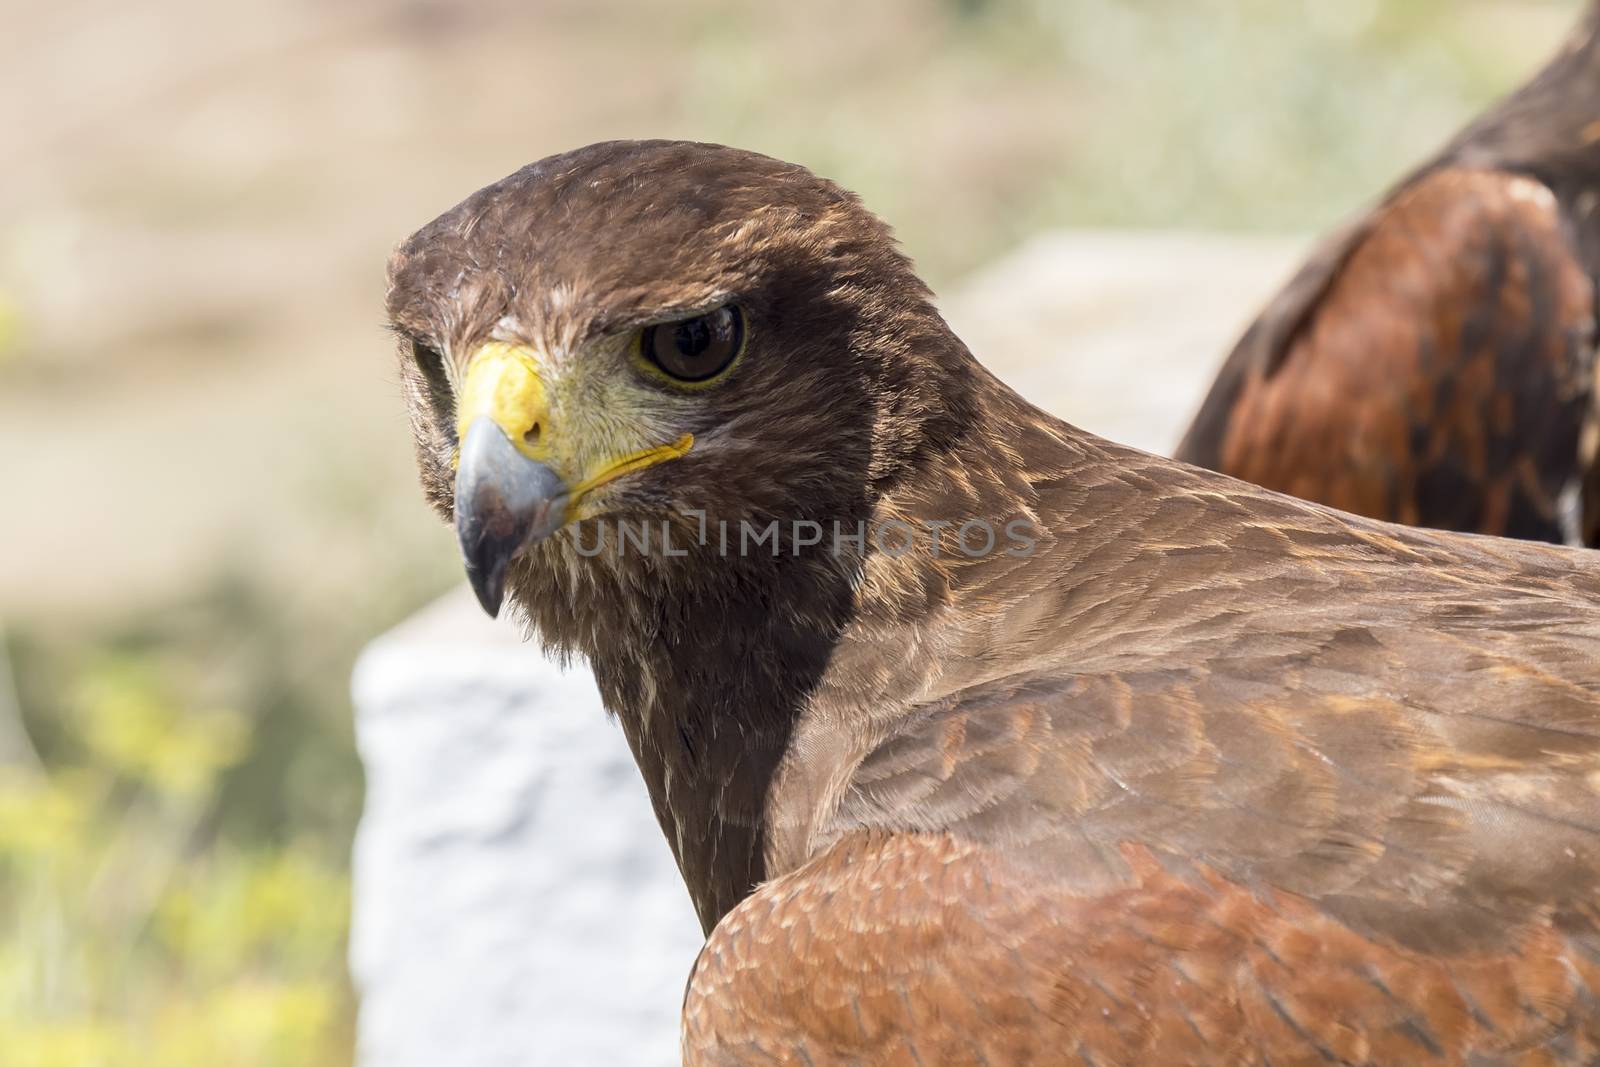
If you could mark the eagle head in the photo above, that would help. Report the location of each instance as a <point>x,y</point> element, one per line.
<point>663,333</point>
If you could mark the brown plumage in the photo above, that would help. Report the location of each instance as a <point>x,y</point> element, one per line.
<point>1433,363</point>
<point>1211,775</point>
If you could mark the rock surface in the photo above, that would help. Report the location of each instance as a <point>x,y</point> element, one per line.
<point>513,889</point>
<point>1116,332</point>
<point>513,892</point>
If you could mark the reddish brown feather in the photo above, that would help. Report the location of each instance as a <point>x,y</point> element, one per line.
<point>1433,363</point>
<point>1443,378</point>
<point>1209,775</point>
<point>924,950</point>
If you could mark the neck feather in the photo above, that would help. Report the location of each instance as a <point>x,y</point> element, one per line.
<point>749,684</point>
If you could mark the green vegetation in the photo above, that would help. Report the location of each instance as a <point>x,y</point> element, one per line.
<point>132,930</point>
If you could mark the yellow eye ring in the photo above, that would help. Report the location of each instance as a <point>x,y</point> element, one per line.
<point>697,351</point>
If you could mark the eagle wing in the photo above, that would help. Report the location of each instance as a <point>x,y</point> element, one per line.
<point>1361,838</point>
<point>1431,366</point>
<point>911,950</point>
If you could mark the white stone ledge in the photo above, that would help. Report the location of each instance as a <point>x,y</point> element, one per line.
<point>513,892</point>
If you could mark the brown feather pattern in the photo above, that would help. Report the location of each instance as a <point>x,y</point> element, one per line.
<point>1211,776</point>
<point>1433,363</point>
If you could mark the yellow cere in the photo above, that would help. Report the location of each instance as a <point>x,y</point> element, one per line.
<point>503,384</point>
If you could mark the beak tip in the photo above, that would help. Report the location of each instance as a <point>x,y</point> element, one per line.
<point>486,573</point>
<point>504,502</point>
<point>490,594</point>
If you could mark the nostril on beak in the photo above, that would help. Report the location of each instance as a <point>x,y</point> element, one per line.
<point>532,436</point>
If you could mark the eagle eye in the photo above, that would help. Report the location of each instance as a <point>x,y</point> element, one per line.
<point>696,349</point>
<point>436,389</point>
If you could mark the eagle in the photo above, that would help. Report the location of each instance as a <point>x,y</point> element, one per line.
<point>979,739</point>
<point>1433,362</point>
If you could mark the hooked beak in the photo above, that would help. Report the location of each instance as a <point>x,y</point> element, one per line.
<point>504,500</point>
<point>509,493</point>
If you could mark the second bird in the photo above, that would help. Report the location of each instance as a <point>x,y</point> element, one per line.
<point>1433,363</point>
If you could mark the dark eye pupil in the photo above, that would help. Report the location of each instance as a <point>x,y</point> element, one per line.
<point>692,337</point>
<point>696,349</point>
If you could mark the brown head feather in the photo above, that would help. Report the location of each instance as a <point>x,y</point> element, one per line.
<point>852,385</point>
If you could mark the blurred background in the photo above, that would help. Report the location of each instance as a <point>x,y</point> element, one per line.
<point>209,504</point>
